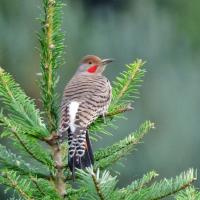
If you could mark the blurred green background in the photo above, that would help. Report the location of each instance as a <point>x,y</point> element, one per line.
<point>164,33</point>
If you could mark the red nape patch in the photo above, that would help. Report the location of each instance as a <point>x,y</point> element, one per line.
<point>92,69</point>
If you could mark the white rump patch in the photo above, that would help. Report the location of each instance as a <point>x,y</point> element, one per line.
<point>73,108</point>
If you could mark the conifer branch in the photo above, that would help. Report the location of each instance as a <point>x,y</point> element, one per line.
<point>97,185</point>
<point>98,189</point>
<point>26,141</point>
<point>26,148</point>
<point>21,108</point>
<point>175,191</point>
<point>75,193</point>
<point>103,122</point>
<point>49,189</point>
<point>138,64</point>
<point>141,183</point>
<point>125,88</point>
<point>48,72</point>
<point>119,110</point>
<point>11,161</point>
<point>189,194</point>
<point>51,40</point>
<point>136,185</point>
<point>164,188</point>
<point>187,179</point>
<point>107,156</point>
<point>34,180</point>
<point>13,183</point>
<point>59,176</point>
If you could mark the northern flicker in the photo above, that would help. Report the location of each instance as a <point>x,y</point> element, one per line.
<point>86,97</point>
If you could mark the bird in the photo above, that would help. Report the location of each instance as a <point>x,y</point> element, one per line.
<point>86,97</point>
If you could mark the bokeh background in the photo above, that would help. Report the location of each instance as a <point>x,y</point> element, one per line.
<point>164,33</point>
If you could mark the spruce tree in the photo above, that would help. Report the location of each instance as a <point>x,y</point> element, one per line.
<point>39,168</point>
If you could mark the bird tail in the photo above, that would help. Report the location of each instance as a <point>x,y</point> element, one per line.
<point>80,151</point>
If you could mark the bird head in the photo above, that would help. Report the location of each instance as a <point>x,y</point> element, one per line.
<point>93,65</point>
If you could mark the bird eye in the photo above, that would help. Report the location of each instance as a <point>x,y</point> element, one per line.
<point>90,62</point>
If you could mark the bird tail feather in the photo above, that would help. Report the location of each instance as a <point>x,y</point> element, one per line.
<point>82,156</point>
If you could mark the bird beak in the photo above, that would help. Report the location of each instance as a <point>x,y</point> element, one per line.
<point>107,61</point>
